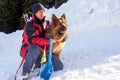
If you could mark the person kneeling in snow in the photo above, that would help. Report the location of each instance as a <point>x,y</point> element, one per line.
<point>34,41</point>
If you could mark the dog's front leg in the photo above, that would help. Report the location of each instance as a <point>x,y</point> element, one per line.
<point>58,54</point>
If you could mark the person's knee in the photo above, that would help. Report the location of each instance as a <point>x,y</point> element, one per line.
<point>58,67</point>
<point>33,51</point>
<point>57,64</point>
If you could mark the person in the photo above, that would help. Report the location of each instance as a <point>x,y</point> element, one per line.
<point>34,42</point>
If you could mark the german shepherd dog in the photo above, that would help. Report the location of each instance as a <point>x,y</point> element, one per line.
<point>58,30</point>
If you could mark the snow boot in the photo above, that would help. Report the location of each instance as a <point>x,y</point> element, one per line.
<point>24,76</point>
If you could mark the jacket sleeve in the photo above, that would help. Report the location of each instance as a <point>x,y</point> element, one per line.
<point>40,41</point>
<point>33,38</point>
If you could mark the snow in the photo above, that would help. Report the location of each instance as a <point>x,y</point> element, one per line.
<point>92,50</point>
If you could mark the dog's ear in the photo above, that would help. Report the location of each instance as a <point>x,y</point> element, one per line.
<point>54,19</point>
<point>63,16</point>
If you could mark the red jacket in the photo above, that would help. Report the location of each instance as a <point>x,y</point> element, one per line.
<point>34,33</point>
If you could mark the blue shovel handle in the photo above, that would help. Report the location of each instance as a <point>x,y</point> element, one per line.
<point>47,68</point>
<point>50,50</point>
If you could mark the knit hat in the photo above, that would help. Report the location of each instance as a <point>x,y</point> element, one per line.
<point>37,7</point>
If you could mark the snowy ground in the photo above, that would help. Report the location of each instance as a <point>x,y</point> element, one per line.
<point>92,50</point>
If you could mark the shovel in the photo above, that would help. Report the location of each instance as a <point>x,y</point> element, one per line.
<point>47,68</point>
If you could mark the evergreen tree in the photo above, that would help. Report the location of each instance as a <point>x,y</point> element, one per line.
<point>27,5</point>
<point>10,14</point>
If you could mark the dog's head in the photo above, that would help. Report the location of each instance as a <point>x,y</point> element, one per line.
<point>58,27</point>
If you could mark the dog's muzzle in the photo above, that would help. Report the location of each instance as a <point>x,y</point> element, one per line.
<point>62,30</point>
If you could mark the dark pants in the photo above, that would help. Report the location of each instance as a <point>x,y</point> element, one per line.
<point>34,55</point>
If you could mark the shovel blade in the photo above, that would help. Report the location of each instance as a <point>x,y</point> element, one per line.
<point>46,70</point>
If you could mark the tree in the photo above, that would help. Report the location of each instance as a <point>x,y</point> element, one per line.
<point>10,13</point>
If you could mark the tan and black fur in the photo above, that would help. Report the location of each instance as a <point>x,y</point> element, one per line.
<point>58,30</point>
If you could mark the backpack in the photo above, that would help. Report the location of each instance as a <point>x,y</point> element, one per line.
<point>25,42</point>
